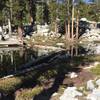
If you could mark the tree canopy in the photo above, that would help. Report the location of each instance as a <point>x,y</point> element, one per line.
<point>47,11</point>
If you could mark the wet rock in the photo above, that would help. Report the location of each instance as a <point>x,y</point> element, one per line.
<point>90,85</point>
<point>70,94</point>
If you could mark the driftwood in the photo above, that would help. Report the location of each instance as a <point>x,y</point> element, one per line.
<point>61,55</point>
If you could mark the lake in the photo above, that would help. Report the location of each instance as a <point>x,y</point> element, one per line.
<point>13,58</point>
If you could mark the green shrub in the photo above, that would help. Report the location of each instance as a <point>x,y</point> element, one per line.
<point>96,70</point>
<point>10,84</point>
<point>28,94</point>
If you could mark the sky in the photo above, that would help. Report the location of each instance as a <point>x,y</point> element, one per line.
<point>86,1</point>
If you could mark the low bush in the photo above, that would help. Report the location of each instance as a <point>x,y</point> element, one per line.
<point>10,84</point>
<point>28,94</point>
<point>96,70</point>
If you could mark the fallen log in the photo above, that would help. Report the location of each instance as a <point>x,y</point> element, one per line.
<point>45,59</point>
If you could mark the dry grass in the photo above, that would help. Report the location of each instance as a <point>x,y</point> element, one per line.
<point>28,94</point>
<point>96,70</point>
<point>10,84</point>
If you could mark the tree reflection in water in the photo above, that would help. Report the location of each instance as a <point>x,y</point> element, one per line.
<point>12,58</point>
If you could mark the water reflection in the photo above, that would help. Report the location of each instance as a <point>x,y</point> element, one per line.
<point>11,59</point>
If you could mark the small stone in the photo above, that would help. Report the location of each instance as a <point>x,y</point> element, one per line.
<point>55,94</point>
<point>6,37</point>
<point>67,98</point>
<point>33,40</point>
<point>91,97</point>
<point>81,88</point>
<point>98,82</point>
<point>73,75</point>
<point>95,95</point>
<point>43,40</point>
<point>27,37</point>
<point>90,85</point>
<point>60,44</point>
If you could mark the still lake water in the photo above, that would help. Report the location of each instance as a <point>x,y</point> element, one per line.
<point>12,58</point>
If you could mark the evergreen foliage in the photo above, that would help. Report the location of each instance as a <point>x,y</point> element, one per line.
<point>48,11</point>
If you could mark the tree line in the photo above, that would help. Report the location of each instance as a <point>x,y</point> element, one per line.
<point>51,12</point>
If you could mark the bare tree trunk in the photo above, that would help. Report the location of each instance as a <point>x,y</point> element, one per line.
<point>56,30</point>
<point>10,1</point>
<point>31,19</point>
<point>72,50</point>
<point>68,29</point>
<point>12,58</point>
<point>32,10</point>
<point>20,33</point>
<point>9,26</point>
<point>76,50</point>
<point>72,23</point>
<point>68,26</point>
<point>77,28</point>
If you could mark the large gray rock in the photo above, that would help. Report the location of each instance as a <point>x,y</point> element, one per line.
<point>92,48</point>
<point>92,35</point>
<point>70,94</point>
<point>43,30</point>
